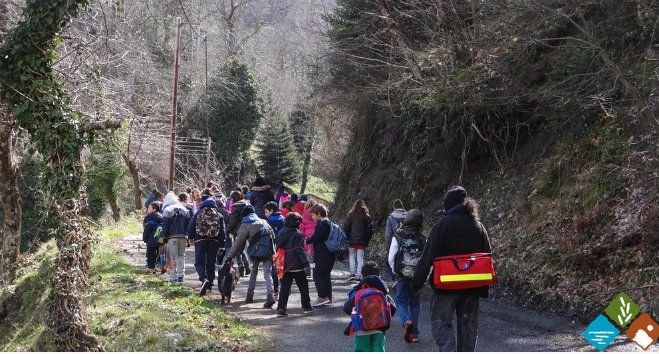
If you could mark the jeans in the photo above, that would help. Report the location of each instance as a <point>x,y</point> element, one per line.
<point>322,275</point>
<point>176,252</point>
<point>151,256</point>
<point>356,257</point>
<point>205,255</point>
<point>407,305</point>
<point>302,285</point>
<point>442,308</point>
<point>267,276</point>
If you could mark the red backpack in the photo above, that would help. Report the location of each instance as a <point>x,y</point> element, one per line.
<point>464,271</point>
<point>372,310</point>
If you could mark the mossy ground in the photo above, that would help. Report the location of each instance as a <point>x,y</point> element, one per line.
<point>128,310</point>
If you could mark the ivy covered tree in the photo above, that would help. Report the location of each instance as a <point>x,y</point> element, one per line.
<point>105,171</point>
<point>33,95</point>
<point>229,112</point>
<point>277,157</point>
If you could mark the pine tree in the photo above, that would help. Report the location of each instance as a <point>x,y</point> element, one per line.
<point>278,160</point>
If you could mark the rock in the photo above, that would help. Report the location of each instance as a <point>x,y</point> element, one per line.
<point>173,336</point>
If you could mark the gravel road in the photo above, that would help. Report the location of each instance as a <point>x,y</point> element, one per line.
<point>502,326</point>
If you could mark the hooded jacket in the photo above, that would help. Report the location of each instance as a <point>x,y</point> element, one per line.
<point>175,218</point>
<point>393,220</point>
<point>151,223</point>
<point>292,242</point>
<point>259,198</point>
<point>192,228</point>
<point>276,222</point>
<point>455,233</point>
<point>359,233</point>
<point>235,218</point>
<point>307,225</point>
<point>320,235</point>
<point>250,226</point>
<point>373,281</point>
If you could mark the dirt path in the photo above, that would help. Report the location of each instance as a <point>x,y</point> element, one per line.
<point>502,327</point>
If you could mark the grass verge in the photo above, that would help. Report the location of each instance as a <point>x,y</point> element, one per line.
<point>127,311</point>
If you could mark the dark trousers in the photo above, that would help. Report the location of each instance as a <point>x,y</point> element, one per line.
<point>151,256</point>
<point>205,255</point>
<point>302,285</point>
<point>465,306</point>
<point>275,279</point>
<point>322,275</point>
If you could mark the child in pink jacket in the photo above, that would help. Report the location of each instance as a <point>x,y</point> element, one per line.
<point>307,226</point>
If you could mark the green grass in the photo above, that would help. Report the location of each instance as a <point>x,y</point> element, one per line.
<point>319,187</point>
<point>127,311</point>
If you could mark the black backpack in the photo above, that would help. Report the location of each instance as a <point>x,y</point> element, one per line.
<point>262,244</point>
<point>408,255</point>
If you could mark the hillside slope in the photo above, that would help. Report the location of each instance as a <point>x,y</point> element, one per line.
<point>546,114</point>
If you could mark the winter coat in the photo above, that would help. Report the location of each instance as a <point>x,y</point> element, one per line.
<point>292,242</point>
<point>455,233</point>
<point>151,223</point>
<point>192,228</point>
<point>259,198</point>
<point>175,219</point>
<point>393,220</point>
<point>307,226</point>
<point>282,198</point>
<point>320,235</point>
<point>359,233</point>
<point>235,218</point>
<point>250,226</point>
<point>276,222</point>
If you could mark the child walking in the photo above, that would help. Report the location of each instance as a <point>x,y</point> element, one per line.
<point>295,262</point>
<point>373,290</point>
<point>405,251</point>
<point>359,230</point>
<point>322,257</point>
<point>152,222</point>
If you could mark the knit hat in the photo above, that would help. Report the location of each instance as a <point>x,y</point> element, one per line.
<point>247,210</point>
<point>206,193</point>
<point>303,197</point>
<point>258,182</point>
<point>456,195</point>
<point>414,218</point>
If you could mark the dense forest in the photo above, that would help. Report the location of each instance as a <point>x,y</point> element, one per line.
<point>547,112</point>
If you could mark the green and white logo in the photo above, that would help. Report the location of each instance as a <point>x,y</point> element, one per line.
<point>622,310</point>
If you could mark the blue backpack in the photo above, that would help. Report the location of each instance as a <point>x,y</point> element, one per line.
<point>337,241</point>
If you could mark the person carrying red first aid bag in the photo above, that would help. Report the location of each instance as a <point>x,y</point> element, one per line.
<point>465,271</point>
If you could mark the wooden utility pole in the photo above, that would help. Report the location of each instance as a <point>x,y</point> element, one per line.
<point>174,106</point>
<point>208,159</point>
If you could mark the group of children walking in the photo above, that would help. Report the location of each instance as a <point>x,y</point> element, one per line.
<point>288,236</point>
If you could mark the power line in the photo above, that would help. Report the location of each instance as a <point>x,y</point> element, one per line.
<point>188,19</point>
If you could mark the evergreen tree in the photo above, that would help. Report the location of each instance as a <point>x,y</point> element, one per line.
<point>229,112</point>
<point>277,156</point>
<point>302,128</point>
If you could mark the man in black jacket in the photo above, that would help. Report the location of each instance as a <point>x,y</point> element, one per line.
<point>235,219</point>
<point>458,232</point>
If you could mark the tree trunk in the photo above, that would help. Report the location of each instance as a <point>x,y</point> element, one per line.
<point>11,202</point>
<point>114,207</point>
<point>137,190</point>
<point>306,166</point>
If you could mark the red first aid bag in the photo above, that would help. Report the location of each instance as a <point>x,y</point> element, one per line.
<point>464,271</point>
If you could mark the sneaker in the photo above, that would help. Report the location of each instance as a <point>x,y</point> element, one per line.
<point>308,309</point>
<point>269,303</point>
<point>413,338</point>
<point>281,313</point>
<point>204,288</point>
<point>408,327</point>
<point>352,277</point>
<point>180,279</point>
<point>321,301</point>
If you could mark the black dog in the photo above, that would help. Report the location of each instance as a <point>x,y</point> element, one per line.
<point>227,279</point>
